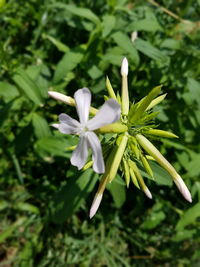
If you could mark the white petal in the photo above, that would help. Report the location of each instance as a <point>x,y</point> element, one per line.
<point>183,188</point>
<point>83,100</point>
<point>80,154</point>
<point>94,143</point>
<point>68,125</point>
<point>108,113</point>
<point>95,205</point>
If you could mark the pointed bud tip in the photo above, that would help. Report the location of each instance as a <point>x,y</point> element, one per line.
<point>55,125</point>
<point>124,67</point>
<point>183,188</point>
<point>95,205</point>
<point>134,36</point>
<point>148,193</point>
<point>50,93</point>
<point>54,94</point>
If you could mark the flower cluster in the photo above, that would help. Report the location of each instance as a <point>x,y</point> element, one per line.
<point>131,125</point>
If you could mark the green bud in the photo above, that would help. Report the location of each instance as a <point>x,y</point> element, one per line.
<point>146,165</point>
<point>155,153</point>
<point>126,172</point>
<point>113,128</point>
<point>156,101</point>
<point>161,133</point>
<point>134,147</point>
<point>140,179</point>
<point>88,165</point>
<point>110,89</point>
<point>118,157</point>
<point>133,178</point>
<point>70,148</point>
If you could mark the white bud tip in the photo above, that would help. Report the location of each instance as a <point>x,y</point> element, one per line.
<point>95,205</point>
<point>134,36</point>
<point>53,94</point>
<point>55,125</point>
<point>57,96</point>
<point>147,193</point>
<point>124,67</point>
<point>183,188</point>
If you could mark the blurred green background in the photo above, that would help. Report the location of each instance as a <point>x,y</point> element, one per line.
<point>65,45</point>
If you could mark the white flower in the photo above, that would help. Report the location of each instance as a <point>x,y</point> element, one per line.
<point>109,113</point>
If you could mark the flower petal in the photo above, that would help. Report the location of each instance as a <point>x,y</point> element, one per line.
<point>108,113</point>
<point>80,154</point>
<point>94,143</point>
<point>68,125</point>
<point>83,100</point>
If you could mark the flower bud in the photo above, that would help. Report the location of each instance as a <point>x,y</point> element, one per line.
<point>124,67</point>
<point>118,157</point>
<point>110,89</point>
<point>126,172</point>
<point>95,205</point>
<point>155,153</point>
<point>68,100</point>
<point>125,95</point>
<point>161,133</point>
<point>183,188</point>
<point>156,101</point>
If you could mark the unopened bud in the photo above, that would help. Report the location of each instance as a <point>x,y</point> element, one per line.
<point>95,205</point>
<point>68,100</point>
<point>183,188</point>
<point>134,36</point>
<point>124,67</point>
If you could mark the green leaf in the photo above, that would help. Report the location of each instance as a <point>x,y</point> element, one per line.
<point>8,91</point>
<point>9,231</point>
<point>95,72</point>
<point>149,24</point>
<point>59,45</point>
<point>123,41</point>
<point>40,126</point>
<point>28,87</point>
<point>40,74</point>
<point>53,146</point>
<point>118,193</point>
<point>194,88</point>
<point>78,11</point>
<point>193,166</point>
<point>189,217</point>
<point>69,61</point>
<point>21,206</point>
<point>149,50</point>
<point>161,176</point>
<point>108,25</point>
<point>171,44</point>
<point>183,235</point>
<point>155,219</point>
<point>113,56</point>
<point>69,199</point>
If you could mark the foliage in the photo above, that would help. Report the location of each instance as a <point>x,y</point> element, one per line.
<point>63,46</point>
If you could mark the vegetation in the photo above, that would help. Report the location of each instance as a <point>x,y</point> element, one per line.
<point>62,46</point>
